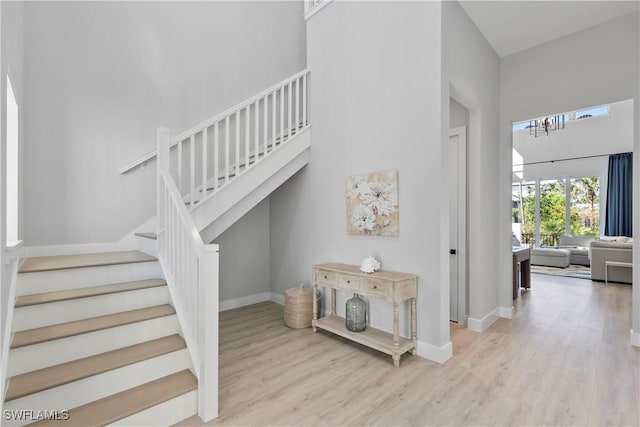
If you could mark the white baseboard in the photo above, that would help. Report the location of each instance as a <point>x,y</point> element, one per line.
<point>481,325</point>
<point>435,354</point>
<point>242,301</point>
<point>277,298</point>
<point>506,312</point>
<point>635,338</point>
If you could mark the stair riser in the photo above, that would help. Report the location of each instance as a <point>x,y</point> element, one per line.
<point>30,358</point>
<point>167,413</point>
<point>36,316</point>
<point>74,278</point>
<point>83,391</point>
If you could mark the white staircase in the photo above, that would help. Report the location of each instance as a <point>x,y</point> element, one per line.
<point>96,341</point>
<point>102,339</point>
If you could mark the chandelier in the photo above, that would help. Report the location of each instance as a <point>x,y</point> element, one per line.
<point>546,125</point>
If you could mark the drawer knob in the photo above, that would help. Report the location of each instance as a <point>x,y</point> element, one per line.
<point>325,277</point>
<point>375,286</point>
<point>348,281</point>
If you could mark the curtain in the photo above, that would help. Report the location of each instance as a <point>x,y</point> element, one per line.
<point>619,195</point>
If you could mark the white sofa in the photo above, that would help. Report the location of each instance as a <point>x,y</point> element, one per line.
<point>616,249</point>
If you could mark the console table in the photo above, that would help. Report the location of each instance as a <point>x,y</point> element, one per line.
<point>388,285</point>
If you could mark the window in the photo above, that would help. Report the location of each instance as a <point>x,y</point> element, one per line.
<point>585,206</point>
<point>592,112</point>
<point>552,211</point>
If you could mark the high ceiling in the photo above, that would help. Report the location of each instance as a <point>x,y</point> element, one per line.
<point>513,26</point>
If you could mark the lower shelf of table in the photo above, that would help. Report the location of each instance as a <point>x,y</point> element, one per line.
<point>371,337</point>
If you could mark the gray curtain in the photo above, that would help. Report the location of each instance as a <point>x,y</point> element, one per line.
<point>619,196</point>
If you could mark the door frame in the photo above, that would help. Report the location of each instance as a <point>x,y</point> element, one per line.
<point>463,310</point>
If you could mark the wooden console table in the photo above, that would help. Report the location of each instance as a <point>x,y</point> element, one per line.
<point>388,285</point>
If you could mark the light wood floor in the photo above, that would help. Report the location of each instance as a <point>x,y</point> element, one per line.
<point>564,359</point>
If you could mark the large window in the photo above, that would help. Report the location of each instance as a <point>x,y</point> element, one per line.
<point>556,211</point>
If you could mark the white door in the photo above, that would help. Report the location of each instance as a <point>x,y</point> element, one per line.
<point>457,224</point>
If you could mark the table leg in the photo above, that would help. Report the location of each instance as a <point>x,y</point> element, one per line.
<point>396,335</point>
<point>414,335</point>
<point>525,271</point>
<point>515,277</point>
<point>315,307</point>
<point>333,301</point>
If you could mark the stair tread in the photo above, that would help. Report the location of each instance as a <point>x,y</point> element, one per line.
<point>61,262</point>
<point>53,376</point>
<point>121,405</point>
<point>62,330</point>
<point>47,297</point>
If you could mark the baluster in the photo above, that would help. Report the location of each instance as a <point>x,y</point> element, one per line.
<point>180,167</point>
<point>265,106</point>
<point>274,110</point>
<point>192,172</point>
<point>226,150</point>
<point>297,104</point>
<point>281,116</point>
<point>304,100</point>
<point>256,149</point>
<point>204,163</point>
<point>247,136</point>
<point>289,108</point>
<point>237,168</point>
<point>216,156</point>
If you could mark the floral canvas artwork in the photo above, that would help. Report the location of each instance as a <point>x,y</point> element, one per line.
<point>372,204</point>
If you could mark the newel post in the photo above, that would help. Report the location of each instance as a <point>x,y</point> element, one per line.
<point>208,333</point>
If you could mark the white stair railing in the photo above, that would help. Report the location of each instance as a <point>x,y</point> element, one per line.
<point>191,270</point>
<point>212,154</point>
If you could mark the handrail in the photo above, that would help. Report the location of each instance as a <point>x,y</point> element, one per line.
<point>311,7</point>
<point>207,123</point>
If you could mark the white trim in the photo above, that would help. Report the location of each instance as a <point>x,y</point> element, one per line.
<point>506,312</point>
<point>277,298</point>
<point>4,362</point>
<point>435,354</point>
<point>481,325</point>
<point>634,338</point>
<point>242,301</point>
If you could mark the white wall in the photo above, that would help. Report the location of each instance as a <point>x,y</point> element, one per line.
<point>101,76</point>
<point>244,255</point>
<point>375,104</point>
<point>471,76</point>
<point>595,66</point>
<point>458,114</point>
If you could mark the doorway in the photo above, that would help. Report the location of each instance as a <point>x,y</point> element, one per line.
<point>457,148</point>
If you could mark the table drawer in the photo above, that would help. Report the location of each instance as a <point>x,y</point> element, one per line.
<point>349,283</point>
<point>378,287</point>
<point>325,277</point>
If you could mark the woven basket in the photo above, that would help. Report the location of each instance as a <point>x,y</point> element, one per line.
<point>298,307</point>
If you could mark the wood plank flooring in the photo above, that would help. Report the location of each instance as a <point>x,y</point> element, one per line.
<point>564,359</point>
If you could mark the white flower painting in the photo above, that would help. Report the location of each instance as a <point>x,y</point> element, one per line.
<point>372,204</point>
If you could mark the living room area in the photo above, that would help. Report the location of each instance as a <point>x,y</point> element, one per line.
<point>572,192</point>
